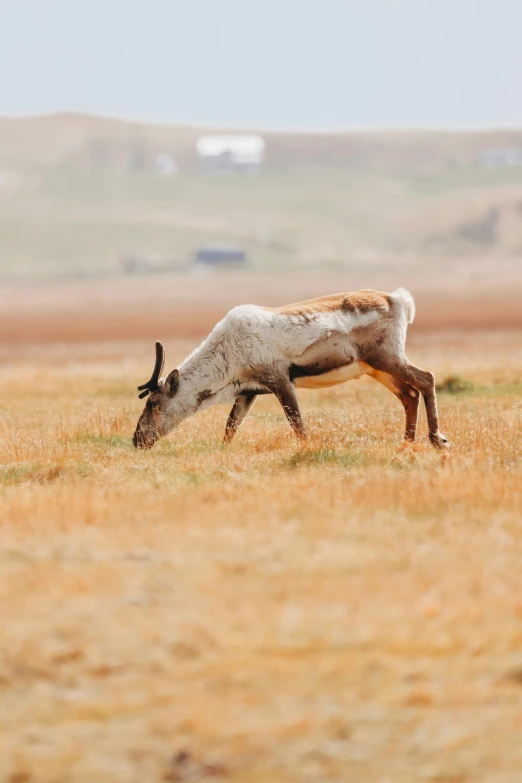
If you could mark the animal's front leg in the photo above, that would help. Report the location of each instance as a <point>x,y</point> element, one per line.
<point>242,405</point>
<point>284,390</point>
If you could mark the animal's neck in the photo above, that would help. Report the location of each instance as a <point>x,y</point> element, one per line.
<point>206,367</point>
<point>203,381</point>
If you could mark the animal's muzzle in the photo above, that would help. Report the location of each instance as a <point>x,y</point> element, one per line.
<point>142,442</point>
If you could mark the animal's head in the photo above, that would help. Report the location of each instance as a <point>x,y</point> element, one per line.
<point>158,417</point>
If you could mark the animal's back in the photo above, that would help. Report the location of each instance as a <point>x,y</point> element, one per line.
<point>355,302</point>
<point>306,326</point>
<point>315,331</point>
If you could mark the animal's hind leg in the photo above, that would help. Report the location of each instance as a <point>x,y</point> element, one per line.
<point>408,395</point>
<point>424,381</point>
<point>242,405</point>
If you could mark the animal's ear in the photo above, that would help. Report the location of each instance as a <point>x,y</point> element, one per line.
<point>172,382</point>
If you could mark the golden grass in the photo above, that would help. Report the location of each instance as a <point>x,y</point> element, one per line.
<point>259,613</point>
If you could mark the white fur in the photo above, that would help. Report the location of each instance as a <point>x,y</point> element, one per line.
<point>404,297</point>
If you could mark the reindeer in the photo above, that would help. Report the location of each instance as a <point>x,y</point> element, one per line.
<point>311,345</point>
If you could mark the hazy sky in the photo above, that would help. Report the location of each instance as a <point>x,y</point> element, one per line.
<point>279,63</point>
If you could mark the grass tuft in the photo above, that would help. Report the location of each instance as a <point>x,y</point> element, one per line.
<point>455,384</point>
<point>323,457</point>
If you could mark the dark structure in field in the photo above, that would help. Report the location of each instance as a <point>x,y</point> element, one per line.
<point>217,255</point>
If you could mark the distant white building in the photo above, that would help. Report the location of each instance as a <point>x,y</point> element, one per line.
<point>231,153</point>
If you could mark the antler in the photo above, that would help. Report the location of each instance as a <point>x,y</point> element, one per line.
<point>152,384</point>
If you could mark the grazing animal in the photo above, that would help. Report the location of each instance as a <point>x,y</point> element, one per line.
<point>312,345</point>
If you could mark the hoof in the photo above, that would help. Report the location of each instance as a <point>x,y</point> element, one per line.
<point>440,441</point>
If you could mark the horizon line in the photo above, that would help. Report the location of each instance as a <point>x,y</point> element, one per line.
<point>264,128</point>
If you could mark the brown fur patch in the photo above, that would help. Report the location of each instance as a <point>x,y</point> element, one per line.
<point>357,301</point>
<point>316,368</point>
<point>367,300</point>
<point>204,395</point>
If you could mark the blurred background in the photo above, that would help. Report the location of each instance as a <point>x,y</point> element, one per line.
<point>162,162</point>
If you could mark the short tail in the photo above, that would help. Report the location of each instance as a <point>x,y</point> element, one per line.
<point>405,300</point>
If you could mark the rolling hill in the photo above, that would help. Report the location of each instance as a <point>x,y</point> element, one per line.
<point>78,193</point>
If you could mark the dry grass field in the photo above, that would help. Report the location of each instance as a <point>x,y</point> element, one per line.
<point>261,613</point>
